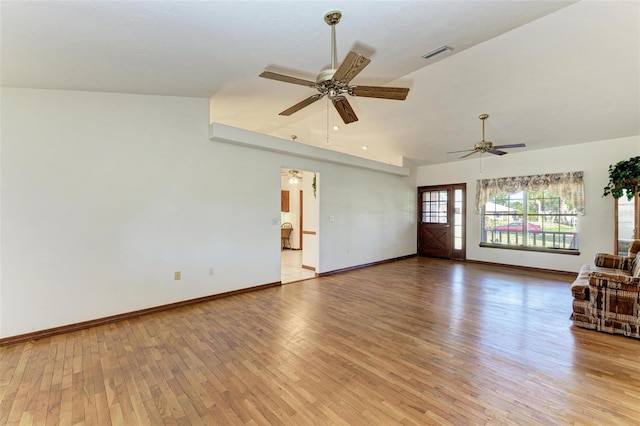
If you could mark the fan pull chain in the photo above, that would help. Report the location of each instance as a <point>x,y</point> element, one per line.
<point>327,141</point>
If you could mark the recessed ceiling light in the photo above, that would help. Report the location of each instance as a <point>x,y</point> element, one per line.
<point>437,51</point>
<point>335,127</point>
<point>364,147</point>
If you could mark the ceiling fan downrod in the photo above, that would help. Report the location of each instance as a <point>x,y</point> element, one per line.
<point>483,117</point>
<point>332,18</point>
<point>483,146</point>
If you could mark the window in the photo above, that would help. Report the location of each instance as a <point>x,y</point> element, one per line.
<point>538,212</point>
<point>627,222</point>
<point>434,206</point>
<point>536,220</point>
<point>458,218</point>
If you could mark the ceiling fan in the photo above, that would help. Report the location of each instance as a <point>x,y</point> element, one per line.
<point>295,176</point>
<point>486,146</point>
<point>334,82</point>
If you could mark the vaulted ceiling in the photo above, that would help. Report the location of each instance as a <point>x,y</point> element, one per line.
<point>548,73</point>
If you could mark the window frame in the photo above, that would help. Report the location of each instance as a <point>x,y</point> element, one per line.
<point>523,218</point>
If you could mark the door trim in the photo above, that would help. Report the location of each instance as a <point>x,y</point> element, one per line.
<point>301,218</point>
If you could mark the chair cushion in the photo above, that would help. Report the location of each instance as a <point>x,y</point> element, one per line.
<point>605,260</point>
<point>611,271</point>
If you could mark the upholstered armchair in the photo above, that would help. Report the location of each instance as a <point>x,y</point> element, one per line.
<point>606,294</point>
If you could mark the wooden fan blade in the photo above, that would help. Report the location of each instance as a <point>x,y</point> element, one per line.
<point>471,153</point>
<point>496,152</point>
<point>397,93</point>
<point>287,79</point>
<point>297,107</point>
<point>353,63</point>
<point>514,145</point>
<point>344,109</point>
<point>462,150</point>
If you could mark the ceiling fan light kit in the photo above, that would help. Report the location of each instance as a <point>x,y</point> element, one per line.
<point>487,146</point>
<point>294,176</point>
<point>334,82</point>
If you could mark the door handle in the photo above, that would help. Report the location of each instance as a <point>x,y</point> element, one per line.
<point>447,226</point>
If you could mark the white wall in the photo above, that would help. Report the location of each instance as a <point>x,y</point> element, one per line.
<point>596,226</point>
<point>105,196</point>
<point>373,218</point>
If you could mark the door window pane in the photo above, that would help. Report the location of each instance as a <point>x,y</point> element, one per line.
<point>434,207</point>
<point>457,219</point>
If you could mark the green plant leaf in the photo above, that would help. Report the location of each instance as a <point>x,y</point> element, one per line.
<point>623,178</point>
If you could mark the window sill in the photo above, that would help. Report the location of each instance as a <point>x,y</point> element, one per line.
<point>536,249</point>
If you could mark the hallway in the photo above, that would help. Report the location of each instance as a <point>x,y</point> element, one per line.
<point>291,267</point>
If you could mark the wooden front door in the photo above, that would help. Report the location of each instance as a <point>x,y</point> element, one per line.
<point>441,221</point>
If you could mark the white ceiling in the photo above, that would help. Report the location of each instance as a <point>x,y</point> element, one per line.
<point>548,73</point>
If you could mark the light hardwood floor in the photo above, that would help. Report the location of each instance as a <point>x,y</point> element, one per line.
<point>418,341</point>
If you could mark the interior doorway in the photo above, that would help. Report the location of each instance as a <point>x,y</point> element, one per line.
<point>299,212</point>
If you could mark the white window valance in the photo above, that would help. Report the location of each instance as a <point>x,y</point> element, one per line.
<point>568,185</point>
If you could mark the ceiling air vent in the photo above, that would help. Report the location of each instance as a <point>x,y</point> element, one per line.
<point>437,51</point>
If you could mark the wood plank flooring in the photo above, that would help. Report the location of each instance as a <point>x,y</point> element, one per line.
<point>418,341</point>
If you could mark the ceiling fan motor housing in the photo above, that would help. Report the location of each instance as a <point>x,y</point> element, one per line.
<point>327,86</point>
<point>325,75</point>
<point>483,146</point>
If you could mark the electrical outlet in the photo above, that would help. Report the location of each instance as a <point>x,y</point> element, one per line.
<point>177,275</point>
<point>211,271</point>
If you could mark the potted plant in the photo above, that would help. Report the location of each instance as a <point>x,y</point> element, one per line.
<point>623,176</point>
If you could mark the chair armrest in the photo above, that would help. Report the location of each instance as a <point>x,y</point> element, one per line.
<point>623,282</point>
<point>605,260</point>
